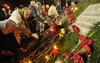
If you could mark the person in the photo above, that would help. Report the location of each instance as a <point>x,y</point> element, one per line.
<point>10,31</point>
<point>41,22</point>
<point>74,7</point>
<point>43,10</point>
<point>33,9</point>
<point>46,10</point>
<point>52,10</point>
<point>20,16</point>
<point>53,27</point>
<point>36,14</point>
<point>8,42</point>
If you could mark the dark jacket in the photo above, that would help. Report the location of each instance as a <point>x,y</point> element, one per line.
<point>2,15</point>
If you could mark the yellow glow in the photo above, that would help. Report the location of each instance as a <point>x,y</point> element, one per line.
<point>8,7</point>
<point>55,47</point>
<point>47,57</point>
<point>5,5</point>
<point>29,61</point>
<point>26,60</point>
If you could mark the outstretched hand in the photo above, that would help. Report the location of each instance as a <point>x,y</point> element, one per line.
<point>35,35</point>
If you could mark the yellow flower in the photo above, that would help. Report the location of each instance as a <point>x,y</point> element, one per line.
<point>63,31</point>
<point>61,34</point>
<point>76,8</point>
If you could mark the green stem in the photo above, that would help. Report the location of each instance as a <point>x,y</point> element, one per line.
<point>94,31</point>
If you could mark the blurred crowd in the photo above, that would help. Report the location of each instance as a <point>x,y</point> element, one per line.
<point>26,23</point>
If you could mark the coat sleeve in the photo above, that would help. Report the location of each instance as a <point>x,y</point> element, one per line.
<point>24,30</point>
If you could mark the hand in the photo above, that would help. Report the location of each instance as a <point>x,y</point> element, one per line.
<point>22,50</point>
<point>35,35</point>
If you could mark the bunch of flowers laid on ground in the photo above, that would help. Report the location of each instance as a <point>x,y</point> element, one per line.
<point>61,44</point>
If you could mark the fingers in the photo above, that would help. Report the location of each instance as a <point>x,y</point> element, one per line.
<point>35,35</point>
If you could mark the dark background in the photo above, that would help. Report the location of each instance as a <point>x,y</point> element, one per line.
<point>16,3</point>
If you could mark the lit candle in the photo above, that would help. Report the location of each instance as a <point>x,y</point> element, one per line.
<point>55,47</point>
<point>47,57</point>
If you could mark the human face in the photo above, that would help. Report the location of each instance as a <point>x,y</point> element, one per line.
<point>47,6</point>
<point>26,14</point>
<point>32,3</point>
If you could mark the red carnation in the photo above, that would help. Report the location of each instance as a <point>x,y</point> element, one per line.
<point>71,19</point>
<point>87,49</point>
<point>81,37</point>
<point>75,52</point>
<point>83,43</point>
<point>67,55</point>
<point>68,10</point>
<point>77,58</point>
<point>55,52</point>
<point>53,27</point>
<point>75,28</point>
<point>81,60</point>
<point>89,41</point>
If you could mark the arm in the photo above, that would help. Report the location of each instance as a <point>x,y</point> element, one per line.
<point>27,32</point>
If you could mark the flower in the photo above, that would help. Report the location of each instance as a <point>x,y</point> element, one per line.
<point>67,55</point>
<point>75,9</point>
<point>77,57</point>
<point>87,49</point>
<point>81,60</point>
<point>68,10</point>
<point>55,51</point>
<point>89,41</point>
<point>53,27</point>
<point>75,28</point>
<point>71,19</point>
<point>63,31</point>
<point>83,42</point>
<point>81,37</point>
